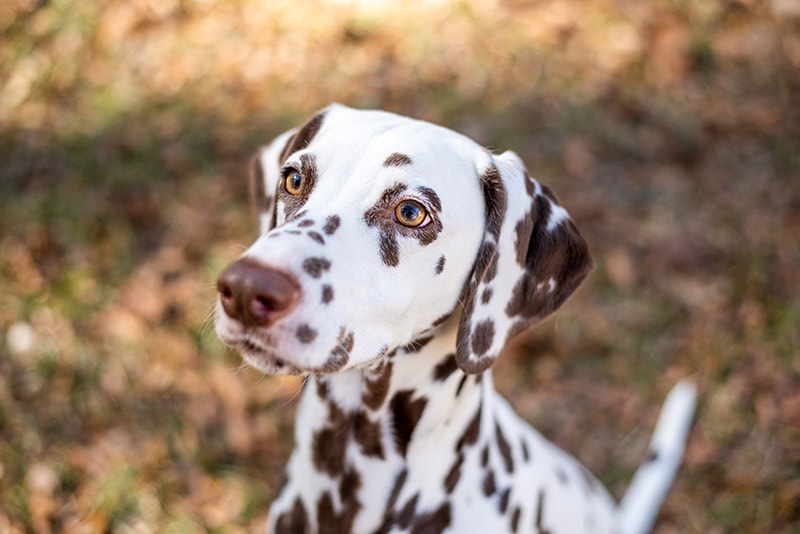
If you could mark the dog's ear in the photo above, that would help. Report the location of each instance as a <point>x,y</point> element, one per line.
<point>265,168</point>
<point>265,173</point>
<point>532,258</point>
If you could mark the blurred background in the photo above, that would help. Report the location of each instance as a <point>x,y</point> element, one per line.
<point>670,129</point>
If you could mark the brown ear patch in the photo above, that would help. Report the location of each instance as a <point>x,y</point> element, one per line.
<point>303,137</point>
<point>557,262</point>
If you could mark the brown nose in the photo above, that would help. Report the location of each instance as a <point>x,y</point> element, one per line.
<point>255,294</point>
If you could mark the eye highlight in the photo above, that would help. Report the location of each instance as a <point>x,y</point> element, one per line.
<point>410,213</point>
<point>293,183</point>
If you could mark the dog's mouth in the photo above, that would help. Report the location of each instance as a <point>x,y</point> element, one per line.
<point>261,357</point>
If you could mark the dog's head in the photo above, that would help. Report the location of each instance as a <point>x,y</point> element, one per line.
<point>375,229</point>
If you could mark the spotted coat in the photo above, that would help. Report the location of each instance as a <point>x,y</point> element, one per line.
<point>396,259</point>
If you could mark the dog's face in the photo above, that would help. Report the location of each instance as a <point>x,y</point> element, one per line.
<point>374,229</point>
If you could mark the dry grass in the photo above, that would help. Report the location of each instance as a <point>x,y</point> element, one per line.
<point>670,129</point>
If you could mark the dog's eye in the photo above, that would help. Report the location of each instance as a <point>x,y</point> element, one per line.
<point>410,213</point>
<point>293,183</point>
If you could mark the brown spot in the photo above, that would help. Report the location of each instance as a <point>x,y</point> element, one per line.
<point>305,333</point>
<point>303,137</point>
<point>348,486</point>
<point>388,513</point>
<point>405,416</point>
<point>525,455</point>
<point>485,456</point>
<point>330,444</point>
<point>340,354</point>
<point>486,296</point>
<point>327,294</point>
<point>331,224</point>
<point>316,236</point>
<point>368,435</point>
<point>494,195</point>
<point>515,518</point>
<point>398,485</point>
<point>406,514</point>
<point>489,486</point>
<point>322,387</point>
<point>652,456</point>
<point>432,522</point>
<point>397,160</point>
<point>523,238</point>
<point>445,368</point>
<point>390,250</point>
<point>329,522</point>
<point>305,223</point>
<point>376,386</point>
<point>503,503</point>
<point>485,255</point>
<point>440,265</point>
<point>293,521</point>
<point>316,266</point>
<point>472,431</point>
<point>482,337</point>
<point>452,477</point>
<point>505,449</point>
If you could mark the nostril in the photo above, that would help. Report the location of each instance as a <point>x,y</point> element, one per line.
<point>224,290</point>
<point>260,308</point>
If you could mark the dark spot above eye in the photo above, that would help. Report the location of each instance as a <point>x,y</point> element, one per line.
<point>397,160</point>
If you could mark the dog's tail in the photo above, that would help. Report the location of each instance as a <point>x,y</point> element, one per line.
<point>639,507</point>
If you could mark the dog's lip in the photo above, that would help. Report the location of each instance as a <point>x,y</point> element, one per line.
<point>263,358</point>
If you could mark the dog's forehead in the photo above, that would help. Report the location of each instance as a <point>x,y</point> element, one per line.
<point>371,144</point>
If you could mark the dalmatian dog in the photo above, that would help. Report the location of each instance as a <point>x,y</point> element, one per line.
<point>396,258</point>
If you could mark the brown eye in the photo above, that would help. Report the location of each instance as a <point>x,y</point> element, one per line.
<point>293,183</point>
<point>410,213</point>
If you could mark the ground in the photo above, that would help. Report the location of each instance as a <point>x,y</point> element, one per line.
<point>670,129</point>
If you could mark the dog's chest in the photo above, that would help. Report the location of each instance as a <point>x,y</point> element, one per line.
<point>448,456</point>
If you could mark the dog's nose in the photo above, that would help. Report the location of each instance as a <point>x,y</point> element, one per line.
<point>256,294</point>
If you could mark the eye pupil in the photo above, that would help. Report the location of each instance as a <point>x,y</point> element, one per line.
<point>410,213</point>
<point>294,183</point>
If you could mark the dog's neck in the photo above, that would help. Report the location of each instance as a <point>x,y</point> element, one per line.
<point>407,409</point>
<point>419,375</point>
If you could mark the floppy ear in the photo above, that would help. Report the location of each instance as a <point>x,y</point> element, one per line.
<point>265,168</point>
<point>532,258</point>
